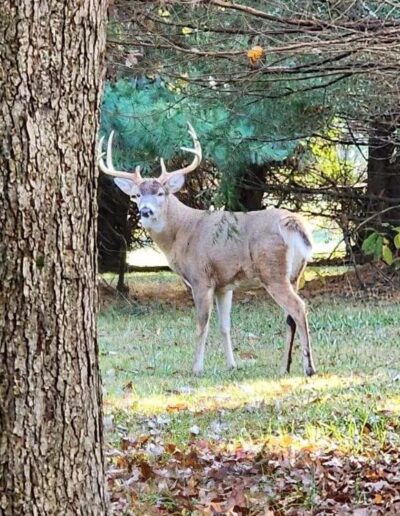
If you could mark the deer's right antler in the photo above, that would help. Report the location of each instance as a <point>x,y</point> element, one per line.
<point>165,176</point>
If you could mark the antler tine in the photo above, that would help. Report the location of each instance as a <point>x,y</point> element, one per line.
<point>100,155</point>
<point>164,173</point>
<point>109,167</point>
<point>189,168</point>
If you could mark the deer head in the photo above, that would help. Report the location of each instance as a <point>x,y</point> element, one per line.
<point>150,195</point>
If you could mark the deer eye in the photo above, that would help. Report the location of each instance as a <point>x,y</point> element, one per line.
<point>160,194</point>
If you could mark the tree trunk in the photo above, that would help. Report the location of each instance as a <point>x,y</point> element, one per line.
<point>51,459</point>
<point>251,190</point>
<point>384,171</point>
<point>114,234</point>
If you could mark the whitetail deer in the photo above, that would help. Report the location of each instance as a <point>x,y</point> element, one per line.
<point>214,251</point>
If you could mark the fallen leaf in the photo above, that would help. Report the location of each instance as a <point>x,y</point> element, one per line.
<point>177,407</point>
<point>378,499</point>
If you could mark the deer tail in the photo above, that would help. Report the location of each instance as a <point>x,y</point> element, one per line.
<point>297,237</point>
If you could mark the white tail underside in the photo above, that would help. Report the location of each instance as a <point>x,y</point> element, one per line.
<point>298,251</point>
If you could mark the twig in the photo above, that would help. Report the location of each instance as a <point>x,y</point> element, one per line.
<point>135,304</point>
<point>353,259</point>
<point>397,206</point>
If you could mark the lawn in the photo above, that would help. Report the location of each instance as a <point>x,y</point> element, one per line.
<point>154,406</point>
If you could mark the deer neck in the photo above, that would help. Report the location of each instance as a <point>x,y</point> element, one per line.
<point>177,218</point>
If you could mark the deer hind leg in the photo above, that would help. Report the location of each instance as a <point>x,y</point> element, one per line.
<point>284,294</point>
<point>203,299</point>
<point>291,324</point>
<point>290,333</point>
<point>224,305</point>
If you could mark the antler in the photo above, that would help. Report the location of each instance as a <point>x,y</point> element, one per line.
<point>109,168</point>
<point>165,176</point>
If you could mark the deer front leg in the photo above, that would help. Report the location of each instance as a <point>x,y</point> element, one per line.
<point>224,306</point>
<point>203,299</point>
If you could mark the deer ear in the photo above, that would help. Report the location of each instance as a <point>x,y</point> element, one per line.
<point>175,183</point>
<point>127,186</point>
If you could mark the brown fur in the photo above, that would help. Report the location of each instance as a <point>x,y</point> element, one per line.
<point>214,251</point>
<point>150,187</point>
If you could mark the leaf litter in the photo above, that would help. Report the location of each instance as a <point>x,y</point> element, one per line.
<point>148,476</point>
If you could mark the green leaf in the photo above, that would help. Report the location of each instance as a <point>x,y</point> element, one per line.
<point>387,255</point>
<point>397,241</point>
<point>368,246</point>
<point>396,263</point>
<point>378,247</point>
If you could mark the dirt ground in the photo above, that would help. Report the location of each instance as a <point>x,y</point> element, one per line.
<point>373,281</point>
<point>368,282</point>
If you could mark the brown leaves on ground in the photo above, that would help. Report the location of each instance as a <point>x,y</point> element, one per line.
<point>379,281</point>
<point>372,281</point>
<point>151,478</point>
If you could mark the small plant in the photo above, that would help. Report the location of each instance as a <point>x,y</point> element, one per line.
<point>384,245</point>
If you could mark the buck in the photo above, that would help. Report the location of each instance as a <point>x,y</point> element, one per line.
<point>214,251</point>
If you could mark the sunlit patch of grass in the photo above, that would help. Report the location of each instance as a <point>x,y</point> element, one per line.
<point>391,406</point>
<point>146,364</point>
<point>233,395</point>
<point>145,278</point>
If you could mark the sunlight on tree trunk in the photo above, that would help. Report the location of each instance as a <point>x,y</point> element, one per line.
<point>51,458</point>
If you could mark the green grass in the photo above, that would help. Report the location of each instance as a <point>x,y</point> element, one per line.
<point>146,357</point>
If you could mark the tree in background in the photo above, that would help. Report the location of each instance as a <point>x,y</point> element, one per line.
<point>149,118</point>
<point>51,458</point>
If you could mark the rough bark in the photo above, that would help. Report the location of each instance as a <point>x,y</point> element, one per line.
<point>51,459</point>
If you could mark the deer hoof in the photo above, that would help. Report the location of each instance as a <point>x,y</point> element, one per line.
<point>197,371</point>
<point>310,370</point>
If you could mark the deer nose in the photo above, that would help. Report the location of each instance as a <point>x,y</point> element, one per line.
<point>146,212</point>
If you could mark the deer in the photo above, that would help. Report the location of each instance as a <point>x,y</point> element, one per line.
<point>215,251</point>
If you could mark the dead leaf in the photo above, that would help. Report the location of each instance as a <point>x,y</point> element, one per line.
<point>177,407</point>
<point>248,355</point>
<point>378,499</point>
